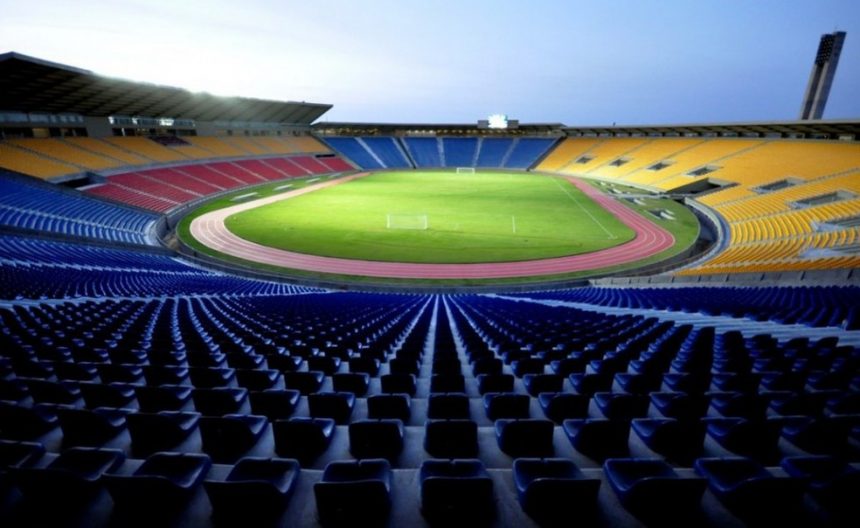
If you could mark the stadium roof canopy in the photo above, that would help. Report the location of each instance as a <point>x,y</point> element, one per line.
<point>810,128</point>
<point>28,84</point>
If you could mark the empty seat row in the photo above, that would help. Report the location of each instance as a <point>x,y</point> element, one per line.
<point>452,490</point>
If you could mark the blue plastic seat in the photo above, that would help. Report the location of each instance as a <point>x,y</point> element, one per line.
<point>376,438</point>
<point>245,361</point>
<point>328,365</point>
<point>748,488</point>
<point>274,404</point>
<point>621,406</point>
<point>561,406</point>
<point>598,438</point>
<point>528,365</point>
<point>162,431</point>
<point>446,365</point>
<point>71,477</point>
<point>365,365</point>
<point>302,438</point>
<point>404,366</point>
<point>18,422</point>
<point>167,480</point>
<point>568,366</point>
<point>552,488</point>
<point>750,438</point>
<point>680,405</point>
<point>93,428</point>
<point>538,383</point>
<point>448,406</point>
<point>226,438</point>
<point>495,383</point>
<point>824,435</point>
<point>451,438</point>
<point>738,404</point>
<point>687,382</point>
<point>16,454</point>
<point>304,382</point>
<point>114,395</point>
<point>354,490</point>
<point>166,375</point>
<point>258,379</point>
<point>525,438</point>
<point>285,363</point>
<point>46,391</point>
<point>650,487</point>
<point>677,440</point>
<point>441,383</point>
<point>638,383</point>
<point>335,405</point>
<point>506,405</point>
<point>120,373</point>
<point>354,382</point>
<point>488,365</point>
<point>588,384</point>
<point>219,401</point>
<point>259,485</point>
<point>13,389</point>
<point>163,397</point>
<point>396,406</point>
<point>400,383</point>
<point>456,491</point>
<point>832,482</point>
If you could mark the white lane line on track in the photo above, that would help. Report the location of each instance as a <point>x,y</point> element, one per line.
<point>609,234</point>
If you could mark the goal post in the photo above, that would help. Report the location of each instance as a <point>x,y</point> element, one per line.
<point>406,221</point>
<point>465,170</point>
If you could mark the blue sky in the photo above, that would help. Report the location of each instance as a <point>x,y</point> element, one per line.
<point>575,62</point>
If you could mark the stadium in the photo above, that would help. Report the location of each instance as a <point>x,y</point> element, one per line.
<point>222,308</point>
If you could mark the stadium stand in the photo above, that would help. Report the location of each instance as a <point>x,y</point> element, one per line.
<point>352,149</point>
<point>217,146</point>
<point>308,145</point>
<point>526,151</point>
<point>106,150</point>
<point>213,354</point>
<point>31,205</point>
<point>460,152</point>
<point>425,151</point>
<point>26,162</point>
<point>147,148</point>
<point>388,151</point>
<point>775,195</point>
<point>66,153</point>
<point>56,157</point>
<point>30,270</point>
<point>492,151</point>
<point>167,188</point>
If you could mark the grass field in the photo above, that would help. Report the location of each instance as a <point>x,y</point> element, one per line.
<point>483,217</point>
<point>684,228</point>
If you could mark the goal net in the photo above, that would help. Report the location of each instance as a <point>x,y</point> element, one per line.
<point>465,170</point>
<point>406,221</point>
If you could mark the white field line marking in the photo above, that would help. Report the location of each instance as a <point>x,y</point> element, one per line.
<point>596,221</point>
<point>514,224</point>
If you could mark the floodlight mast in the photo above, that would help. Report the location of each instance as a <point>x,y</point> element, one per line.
<point>821,77</point>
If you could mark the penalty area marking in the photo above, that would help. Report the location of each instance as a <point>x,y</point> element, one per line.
<point>514,225</point>
<point>596,221</point>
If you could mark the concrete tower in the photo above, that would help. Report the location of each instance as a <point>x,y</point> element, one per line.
<point>821,77</point>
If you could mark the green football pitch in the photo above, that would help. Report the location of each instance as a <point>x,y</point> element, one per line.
<point>436,217</point>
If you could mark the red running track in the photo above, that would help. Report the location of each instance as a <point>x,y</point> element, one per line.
<point>649,240</point>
